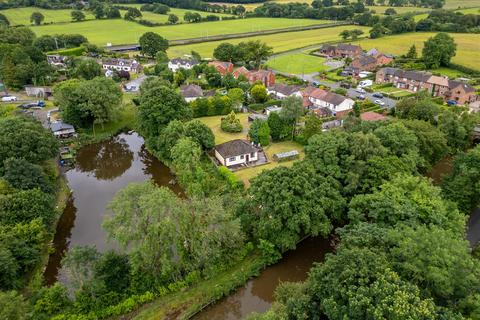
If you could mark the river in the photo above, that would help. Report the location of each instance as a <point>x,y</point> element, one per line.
<point>100,171</point>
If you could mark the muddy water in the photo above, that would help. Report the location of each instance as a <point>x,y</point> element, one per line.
<point>100,171</point>
<point>257,294</point>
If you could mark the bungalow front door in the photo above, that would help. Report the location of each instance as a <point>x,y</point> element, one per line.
<point>247,158</point>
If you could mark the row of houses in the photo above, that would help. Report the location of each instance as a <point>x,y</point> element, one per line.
<point>415,81</point>
<point>108,64</point>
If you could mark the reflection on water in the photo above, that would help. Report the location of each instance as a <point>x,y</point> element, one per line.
<point>101,170</point>
<point>257,294</point>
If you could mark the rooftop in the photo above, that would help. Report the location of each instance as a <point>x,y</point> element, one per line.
<point>235,147</point>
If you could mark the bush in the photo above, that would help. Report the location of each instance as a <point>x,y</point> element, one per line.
<point>231,123</point>
<point>231,178</point>
<point>72,52</point>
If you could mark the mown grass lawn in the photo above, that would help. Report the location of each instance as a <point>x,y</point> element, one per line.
<point>246,174</point>
<point>120,31</point>
<point>21,16</point>
<point>279,42</point>
<point>467,46</point>
<point>298,63</point>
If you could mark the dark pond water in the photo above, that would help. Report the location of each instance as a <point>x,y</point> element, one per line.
<point>257,294</point>
<point>100,171</point>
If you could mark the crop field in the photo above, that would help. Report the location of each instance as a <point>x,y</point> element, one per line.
<point>467,46</point>
<point>279,42</point>
<point>120,31</point>
<point>298,63</point>
<point>21,16</point>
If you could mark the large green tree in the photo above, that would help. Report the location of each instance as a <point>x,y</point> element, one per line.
<point>151,43</point>
<point>439,50</point>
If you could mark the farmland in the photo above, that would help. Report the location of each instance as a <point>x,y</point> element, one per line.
<point>467,45</point>
<point>120,31</point>
<point>21,16</point>
<point>280,42</point>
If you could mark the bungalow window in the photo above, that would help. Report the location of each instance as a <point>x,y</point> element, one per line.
<point>252,154</point>
<point>232,159</point>
<point>242,157</point>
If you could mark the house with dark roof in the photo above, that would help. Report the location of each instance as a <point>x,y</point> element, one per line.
<point>236,153</point>
<point>191,92</point>
<point>119,64</point>
<point>222,67</point>
<point>369,61</point>
<point>461,92</point>
<point>61,129</point>
<point>413,81</point>
<point>342,50</point>
<point>178,63</point>
<point>282,91</point>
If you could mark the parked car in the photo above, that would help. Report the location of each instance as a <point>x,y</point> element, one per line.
<point>315,83</point>
<point>361,97</point>
<point>345,85</point>
<point>32,105</point>
<point>360,90</point>
<point>452,102</point>
<point>378,95</point>
<point>9,98</point>
<point>379,102</point>
<point>365,83</point>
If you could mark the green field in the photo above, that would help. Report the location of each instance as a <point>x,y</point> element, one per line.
<point>454,4</point>
<point>469,11</point>
<point>297,63</point>
<point>280,41</point>
<point>21,16</point>
<point>119,31</point>
<point>467,46</point>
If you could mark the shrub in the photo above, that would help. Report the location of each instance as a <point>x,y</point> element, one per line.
<point>231,178</point>
<point>231,123</point>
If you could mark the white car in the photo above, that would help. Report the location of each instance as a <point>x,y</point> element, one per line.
<point>379,102</point>
<point>360,90</point>
<point>9,98</point>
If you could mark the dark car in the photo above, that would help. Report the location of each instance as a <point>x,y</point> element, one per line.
<point>452,102</point>
<point>345,85</point>
<point>378,95</point>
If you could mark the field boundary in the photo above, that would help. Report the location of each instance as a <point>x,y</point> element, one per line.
<point>187,41</point>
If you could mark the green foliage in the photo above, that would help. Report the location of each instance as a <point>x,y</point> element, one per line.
<point>259,132</point>
<point>24,206</point>
<point>250,52</point>
<point>270,253</point>
<point>86,103</point>
<point>463,184</point>
<point>438,50</point>
<point>231,123</point>
<point>51,301</point>
<point>87,69</point>
<point>151,43</point>
<point>13,306</point>
<point>24,175</point>
<point>259,93</point>
<point>26,138</point>
<point>132,13</point>
<point>77,15</point>
<point>279,128</point>
<point>232,179</point>
<point>292,110</point>
<point>37,18</point>
<point>200,133</point>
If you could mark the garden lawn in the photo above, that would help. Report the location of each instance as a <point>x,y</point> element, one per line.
<point>246,174</point>
<point>120,31</point>
<point>21,16</point>
<point>297,63</point>
<point>279,42</point>
<point>467,46</point>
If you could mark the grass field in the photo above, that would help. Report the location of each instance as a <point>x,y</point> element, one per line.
<point>119,31</point>
<point>276,147</point>
<point>21,16</point>
<point>469,11</point>
<point>297,63</point>
<point>280,42</point>
<point>467,46</point>
<point>454,4</point>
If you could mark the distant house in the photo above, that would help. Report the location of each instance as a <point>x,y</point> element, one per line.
<point>118,64</point>
<point>372,116</point>
<point>267,77</point>
<point>283,91</point>
<point>342,50</point>
<point>57,60</point>
<point>369,61</point>
<point>242,71</point>
<point>222,67</point>
<point>61,129</point>
<point>271,109</point>
<point>317,98</point>
<point>191,92</point>
<point>236,152</point>
<point>38,91</point>
<point>257,116</point>
<point>179,63</point>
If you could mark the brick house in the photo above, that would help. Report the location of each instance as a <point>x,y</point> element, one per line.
<point>241,71</point>
<point>341,51</point>
<point>461,92</point>
<point>222,67</point>
<point>413,81</point>
<point>267,77</point>
<point>366,62</point>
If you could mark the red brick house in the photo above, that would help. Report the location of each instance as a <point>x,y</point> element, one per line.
<point>341,51</point>
<point>222,67</point>
<point>241,71</point>
<point>461,92</point>
<point>267,77</point>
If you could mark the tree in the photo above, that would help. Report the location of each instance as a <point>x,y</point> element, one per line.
<point>277,211</point>
<point>24,175</point>
<point>254,52</point>
<point>313,126</point>
<point>172,19</point>
<point>21,35</point>
<point>13,306</point>
<point>397,138</point>
<point>51,301</point>
<point>37,18</point>
<point>88,69</point>
<point>132,13</point>
<point>279,129</point>
<point>4,20</point>
<point>438,50</point>
<point>86,103</point>
<point>113,13</point>
<point>345,34</point>
<point>407,200</point>
<point>229,81</point>
<point>463,184</point>
<point>167,237</point>
<point>259,93</point>
<point>231,123</point>
<point>79,266</point>
<point>200,133</point>
<point>412,52</point>
<point>25,138</point>
<point>151,43</point>
<point>355,33</point>
<point>158,106</point>
<point>390,12</point>
<point>378,31</point>
<point>77,15</point>
<point>259,132</point>
<point>237,96</point>
<point>292,110</point>
<point>192,17</point>
<point>225,52</point>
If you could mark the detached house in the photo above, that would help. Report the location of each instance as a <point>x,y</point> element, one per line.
<point>337,104</point>
<point>267,77</point>
<point>283,91</point>
<point>461,92</point>
<point>191,92</point>
<point>369,62</point>
<point>118,64</point>
<point>61,129</point>
<point>222,67</point>
<point>179,63</point>
<point>236,153</point>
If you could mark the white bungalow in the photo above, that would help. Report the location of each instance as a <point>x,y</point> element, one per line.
<point>236,152</point>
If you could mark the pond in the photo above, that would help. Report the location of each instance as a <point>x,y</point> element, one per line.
<point>101,170</point>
